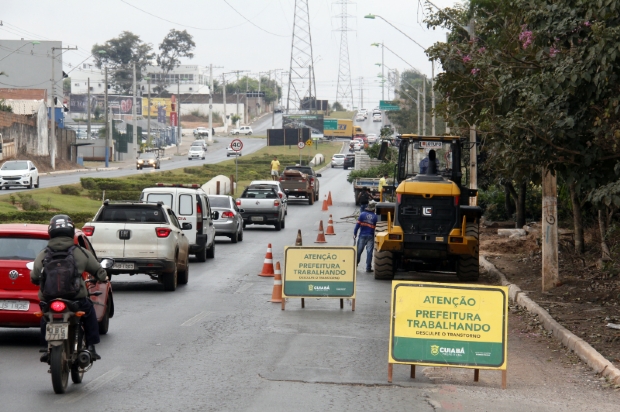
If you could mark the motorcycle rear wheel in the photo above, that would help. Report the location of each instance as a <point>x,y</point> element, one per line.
<point>59,368</point>
<point>76,374</point>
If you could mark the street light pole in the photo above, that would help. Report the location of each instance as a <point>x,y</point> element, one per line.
<point>105,109</point>
<point>148,120</point>
<point>382,71</point>
<point>134,113</point>
<point>210,135</point>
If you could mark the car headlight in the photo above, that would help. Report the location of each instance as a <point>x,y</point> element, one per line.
<point>151,161</point>
<point>140,161</point>
<point>26,175</point>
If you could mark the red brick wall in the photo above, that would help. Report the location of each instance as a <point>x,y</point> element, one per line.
<point>7,119</point>
<point>23,94</point>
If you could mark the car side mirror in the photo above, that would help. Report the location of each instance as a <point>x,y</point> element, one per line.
<point>318,175</point>
<point>33,168</point>
<point>186,226</point>
<point>215,215</point>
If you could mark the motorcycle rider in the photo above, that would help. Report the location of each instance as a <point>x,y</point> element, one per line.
<point>61,231</point>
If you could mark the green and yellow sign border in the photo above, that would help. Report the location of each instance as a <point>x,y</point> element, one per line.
<point>344,288</point>
<point>416,348</point>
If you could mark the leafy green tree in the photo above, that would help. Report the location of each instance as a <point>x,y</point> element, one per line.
<point>5,107</point>
<point>120,54</point>
<point>337,107</point>
<point>66,86</point>
<point>175,45</point>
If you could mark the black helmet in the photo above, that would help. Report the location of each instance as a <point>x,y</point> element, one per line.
<point>61,225</point>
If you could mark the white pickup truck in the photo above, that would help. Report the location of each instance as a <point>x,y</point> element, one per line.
<point>142,238</point>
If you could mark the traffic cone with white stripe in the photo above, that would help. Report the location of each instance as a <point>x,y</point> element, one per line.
<point>276,295</point>
<point>321,237</point>
<point>324,204</point>
<point>268,264</point>
<point>329,199</point>
<point>330,227</point>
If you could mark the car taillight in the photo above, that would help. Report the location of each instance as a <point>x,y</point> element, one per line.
<point>58,306</point>
<point>238,202</point>
<point>281,178</point>
<point>162,231</point>
<point>312,181</point>
<point>88,230</point>
<point>280,194</point>
<point>276,203</point>
<point>228,214</point>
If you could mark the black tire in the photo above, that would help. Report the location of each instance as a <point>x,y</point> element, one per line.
<point>234,238</point>
<point>311,199</point>
<point>183,275</point>
<point>244,224</point>
<point>468,266</point>
<point>283,223</point>
<point>104,325</point>
<point>384,265</point>
<point>250,134</point>
<point>59,368</point>
<point>241,235</point>
<point>201,256</point>
<point>37,184</point>
<point>189,158</point>
<point>211,251</point>
<point>170,280</point>
<point>278,226</point>
<point>316,197</point>
<point>30,186</point>
<point>332,166</point>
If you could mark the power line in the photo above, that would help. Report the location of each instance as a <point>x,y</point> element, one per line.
<point>251,22</point>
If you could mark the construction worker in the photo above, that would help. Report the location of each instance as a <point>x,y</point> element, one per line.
<point>382,182</point>
<point>366,224</point>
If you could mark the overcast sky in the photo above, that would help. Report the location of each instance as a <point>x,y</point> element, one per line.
<point>252,35</point>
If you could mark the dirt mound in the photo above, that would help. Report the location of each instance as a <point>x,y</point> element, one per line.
<point>43,163</point>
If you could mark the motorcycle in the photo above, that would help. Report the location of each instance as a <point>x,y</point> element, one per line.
<point>68,354</point>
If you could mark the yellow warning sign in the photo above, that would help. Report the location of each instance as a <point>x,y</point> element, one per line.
<point>309,142</point>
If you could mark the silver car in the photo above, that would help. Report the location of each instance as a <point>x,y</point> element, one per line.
<point>338,160</point>
<point>278,187</point>
<point>230,221</point>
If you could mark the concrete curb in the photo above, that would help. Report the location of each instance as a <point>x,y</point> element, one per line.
<point>582,348</point>
<point>62,172</point>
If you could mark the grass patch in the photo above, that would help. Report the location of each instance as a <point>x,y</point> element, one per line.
<point>82,200</point>
<point>342,115</point>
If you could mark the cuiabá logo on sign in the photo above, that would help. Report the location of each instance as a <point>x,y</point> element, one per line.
<point>310,288</point>
<point>321,288</point>
<point>436,350</point>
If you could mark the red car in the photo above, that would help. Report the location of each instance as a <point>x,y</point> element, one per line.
<point>20,244</point>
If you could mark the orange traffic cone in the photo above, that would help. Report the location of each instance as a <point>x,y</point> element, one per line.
<point>298,241</point>
<point>329,199</point>
<point>276,295</point>
<point>267,264</point>
<point>330,227</point>
<point>324,204</point>
<point>321,237</point>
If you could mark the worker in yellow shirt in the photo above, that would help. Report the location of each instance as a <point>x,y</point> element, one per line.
<point>275,168</point>
<point>382,182</point>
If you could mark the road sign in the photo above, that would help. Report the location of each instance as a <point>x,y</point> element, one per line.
<point>236,145</point>
<point>387,105</point>
<point>301,145</point>
<point>309,142</point>
<point>319,272</point>
<point>460,325</point>
<point>330,124</point>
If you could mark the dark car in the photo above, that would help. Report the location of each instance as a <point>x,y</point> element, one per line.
<point>349,161</point>
<point>147,159</point>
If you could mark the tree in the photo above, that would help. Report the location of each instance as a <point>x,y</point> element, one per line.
<point>120,54</point>
<point>5,107</point>
<point>176,44</point>
<point>337,107</point>
<point>66,86</point>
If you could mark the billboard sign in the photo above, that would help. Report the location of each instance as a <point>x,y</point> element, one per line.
<point>157,102</point>
<point>119,104</point>
<point>301,121</point>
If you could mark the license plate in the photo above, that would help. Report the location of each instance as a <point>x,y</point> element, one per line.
<point>23,305</point>
<point>123,266</point>
<point>257,218</point>
<point>56,331</point>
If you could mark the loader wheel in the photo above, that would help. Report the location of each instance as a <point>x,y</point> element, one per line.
<point>468,266</point>
<point>384,265</point>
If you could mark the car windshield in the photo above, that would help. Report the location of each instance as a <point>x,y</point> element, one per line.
<point>15,166</point>
<point>20,248</point>
<point>147,156</point>
<point>132,214</point>
<point>219,202</point>
<point>260,194</point>
<point>199,144</point>
<point>196,148</point>
<point>339,156</point>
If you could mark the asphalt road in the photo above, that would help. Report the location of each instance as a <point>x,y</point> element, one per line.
<point>260,126</point>
<point>215,154</point>
<point>217,344</point>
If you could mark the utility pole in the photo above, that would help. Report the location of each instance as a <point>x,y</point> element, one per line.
<point>179,138</point>
<point>382,71</point>
<point>88,110</point>
<point>105,109</point>
<point>433,95</point>
<point>134,113</point>
<point>275,92</point>
<point>224,98</point>
<point>424,106</point>
<point>148,121</point>
<point>550,274</point>
<point>238,94</point>
<point>52,139</point>
<point>473,150</point>
<point>418,112</point>
<point>210,135</point>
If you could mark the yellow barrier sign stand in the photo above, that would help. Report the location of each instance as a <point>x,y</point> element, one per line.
<point>454,325</point>
<point>319,272</point>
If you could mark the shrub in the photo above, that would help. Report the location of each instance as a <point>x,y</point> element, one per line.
<point>70,190</point>
<point>116,195</point>
<point>31,205</point>
<point>42,217</point>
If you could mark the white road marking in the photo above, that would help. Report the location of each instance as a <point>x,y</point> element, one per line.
<point>245,287</point>
<point>195,319</point>
<point>91,386</point>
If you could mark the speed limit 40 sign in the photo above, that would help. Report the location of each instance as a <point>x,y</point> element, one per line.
<point>301,145</point>
<point>236,145</point>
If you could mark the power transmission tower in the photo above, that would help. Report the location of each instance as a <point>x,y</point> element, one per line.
<point>344,90</point>
<point>301,85</point>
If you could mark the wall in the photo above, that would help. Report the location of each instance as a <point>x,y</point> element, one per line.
<point>95,152</point>
<point>203,108</point>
